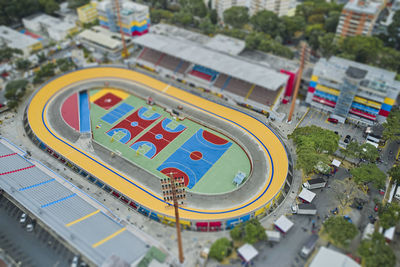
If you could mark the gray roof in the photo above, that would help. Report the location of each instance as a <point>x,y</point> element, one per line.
<point>57,206</point>
<point>367,7</point>
<point>15,39</point>
<point>229,65</point>
<point>226,44</point>
<point>335,68</point>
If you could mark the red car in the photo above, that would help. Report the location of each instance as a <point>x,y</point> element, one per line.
<point>376,207</point>
<point>333,120</point>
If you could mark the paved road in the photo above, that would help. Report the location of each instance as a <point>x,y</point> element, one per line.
<point>29,248</point>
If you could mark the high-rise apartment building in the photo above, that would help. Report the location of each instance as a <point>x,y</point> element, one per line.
<point>279,7</point>
<point>135,17</point>
<point>358,17</point>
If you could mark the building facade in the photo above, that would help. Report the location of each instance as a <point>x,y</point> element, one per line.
<point>104,43</point>
<point>14,39</point>
<point>353,91</point>
<point>358,18</point>
<point>51,27</point>
<point>87,13</point>
<point>279,7</point>
<point>135,18</point>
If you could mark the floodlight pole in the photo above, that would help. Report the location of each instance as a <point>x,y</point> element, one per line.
<point>177,224</point>
<point>173,189</point>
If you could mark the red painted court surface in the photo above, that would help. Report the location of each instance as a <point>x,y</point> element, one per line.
<point>107,101</point>
<point>212,138</point>
<point>70,112</point>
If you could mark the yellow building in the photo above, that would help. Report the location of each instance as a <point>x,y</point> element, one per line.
<point>87,13</point>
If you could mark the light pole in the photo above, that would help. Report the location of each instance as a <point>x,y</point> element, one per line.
<point>173,189</point>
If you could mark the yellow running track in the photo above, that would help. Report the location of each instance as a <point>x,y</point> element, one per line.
<point>269,142</point>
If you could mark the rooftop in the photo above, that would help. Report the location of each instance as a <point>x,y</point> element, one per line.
<point>62,207</point>
<point>364,6</point>
<point>284,224</point>
<point>50,21</point>
<point>329,258</point>
<point>233,66</point>
<point>335,68</point>
<point>15,39</point>
<point>103,37</point>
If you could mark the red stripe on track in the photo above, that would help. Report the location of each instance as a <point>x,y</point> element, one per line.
<point>12,154</point>
<point>4,173</point>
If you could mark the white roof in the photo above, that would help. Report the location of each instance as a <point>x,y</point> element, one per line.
<point>284,224</point>
<point>273,234</point>
<point>218,61</point>
<point>226,44</point>
<point>368,231</point>
<point>369,7</point>
<point>51,22</point>
<point>15,39</point>
<point>336,162</point>
<point>389,233</point>
<point>248,252</point>
<point>330,258</point>
<point>307,195</point>
<point>372,143</point>
<point>104,37</point>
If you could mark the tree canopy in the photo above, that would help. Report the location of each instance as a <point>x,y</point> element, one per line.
<point>368,152</point>
<point>15,90</point>
<point>394,172</point>
<point>339,230</point>
<point>250,232</point>
<point>375,252</point>
<point>389,215</point>
<point>7,53</point>
<point>369,173</point>
<point>236,16</point>
<point>391,130</point>
<point>220,249</point>
<point>313,145</point>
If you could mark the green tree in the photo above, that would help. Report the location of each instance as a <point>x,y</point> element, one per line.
<point>394,172</point>
<point>292,25</point>
<point>7,53</point>
<point>364,48</point>
<point>213,16</point>
<point>389,215</point>
<point>332,21</point>
<point>49,6</point>
<point>313,32</point>
<point>77,3</point>
<point>391,130</point>
<point>394,31</point>
<point>41,57</point>
<point>369,173</point>
<point>207,27</point>
<point>23,64</point>
<point>254,232</point>
<point>368,152</point>
<point>157,15</point>
<point>375,252</point>
<point>183,18</point>
<point>266,21</point>
<point>15,90</point>
<point>340,231</point>
<point>220,249</point>
<point>316,19</point>
<point>236,16</point>
<point>352,150</point>
<point>194,7</point>
<point>65,64</point>
<point>237,232</point>
<point>327,44</point>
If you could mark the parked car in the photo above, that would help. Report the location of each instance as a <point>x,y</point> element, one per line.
<point>333,120</point>
<point>347,218</point>
<point>376,208</point>
<point>31,226</point>
<point>75,261</point>
<point>23,218</point>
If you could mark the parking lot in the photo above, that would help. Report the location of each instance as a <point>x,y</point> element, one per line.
<point>26,247</point>
<point>319,118</point>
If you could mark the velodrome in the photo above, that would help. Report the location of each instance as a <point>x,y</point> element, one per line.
<point>271,145</point>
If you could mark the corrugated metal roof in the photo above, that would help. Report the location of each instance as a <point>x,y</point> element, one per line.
<point>89,230</point>
<point>229,65</point>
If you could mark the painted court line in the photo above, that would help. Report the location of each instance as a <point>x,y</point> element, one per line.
<point>18,170</point>
<point>95,245</point>
<point>166,88</point>
<point>82,218</point>
<point>12,154</point>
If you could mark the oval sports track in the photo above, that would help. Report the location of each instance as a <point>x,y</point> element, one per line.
<point>267,140</point>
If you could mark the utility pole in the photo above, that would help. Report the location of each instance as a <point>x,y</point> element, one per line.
<point>173,189</point>
<point>296,88</point>
<point>125,50</point>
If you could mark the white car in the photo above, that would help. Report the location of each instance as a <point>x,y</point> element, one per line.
<point>23,218</point>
